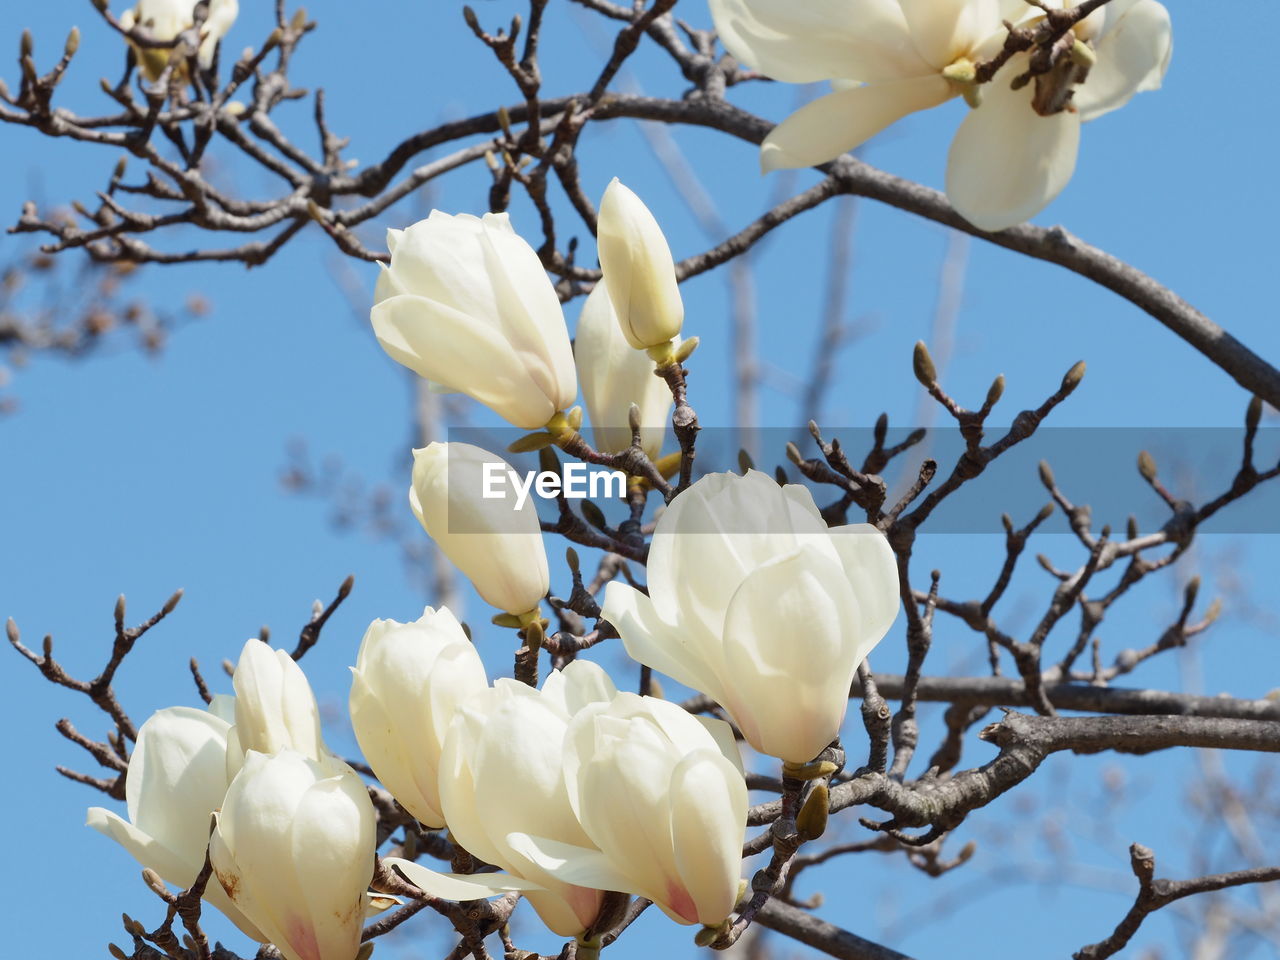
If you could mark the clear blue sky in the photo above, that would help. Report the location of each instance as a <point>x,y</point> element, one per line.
<point>126,473</point>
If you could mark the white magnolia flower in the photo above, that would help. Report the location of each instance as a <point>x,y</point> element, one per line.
<point>495,543</point>
<point>637,264</point>
<point>408,681</point>
<point>274,707</point>
<point>613,377</point>
<point>466,304</point>
<point>165,19</point>
<point>502,778</point>
<point>294,850</point>
<point>889,58</point>
<point>755,602</point>
<point>177,778</point>
<point>661,795</point>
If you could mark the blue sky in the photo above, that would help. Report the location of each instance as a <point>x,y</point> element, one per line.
<point>126,473</point>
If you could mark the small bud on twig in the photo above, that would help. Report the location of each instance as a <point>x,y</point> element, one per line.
<point>1147,466</point>
<point>995,391</point>
<point>1072,378</point>
<point>1046,474</point>
<point>1253,414</point>
<point>811,822</point>
<point>923,366</point>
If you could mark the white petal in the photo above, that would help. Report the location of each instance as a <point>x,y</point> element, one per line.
<point>708,822</point>
<point>1133,55</point>
<point>624,805</point>
<point>831,125</point>
<point>222,14</point>
<point>456,886</point>
<point>614,375</point>
<point>655,643</point>
<point>497,545</point>
<point>872,569</point>
<point>580,866</point>
<point>451,348</point>
<point>1007,162</point>
<point>332,851</point>
<point>638,268</point>
<point>177,778</point>
<point>723,736</point>
<point>790,647</point>
<point>275,708</point>
<point>585,683</point>
<point>800,42</point>
<point>944,30</point>
<point>175,869</point>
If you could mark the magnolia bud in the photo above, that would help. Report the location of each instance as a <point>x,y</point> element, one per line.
<point>638,269</point>
<point>407,683</point>
<point>495,539</point>
<point>294,850</point>
<point>466,304</point>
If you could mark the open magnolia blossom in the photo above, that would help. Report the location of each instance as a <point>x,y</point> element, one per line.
<point>496,543</point>
<point>640,272</point>
<point>614,376</point>
<point>165,19</point>
<point>757,603</point>
<point>408,681</point>
<point>1014,152</point>
<point>501,778</point>
<point>274,707</point>
<point>177,778</point>
<point>466,304</point>
<point>294,851</point>
<point>661,795</point>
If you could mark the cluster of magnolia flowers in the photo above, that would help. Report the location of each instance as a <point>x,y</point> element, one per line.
<point>565,793</point>
<point>575,790</point>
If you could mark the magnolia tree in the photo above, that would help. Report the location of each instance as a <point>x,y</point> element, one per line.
<point>763,594</point>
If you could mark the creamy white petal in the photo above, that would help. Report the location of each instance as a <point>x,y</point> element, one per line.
<point>788,638</point>
<point>1133,55</point>
<point>818,39</point>
<point>708,814</point>
<point>872,568</point>
<point>495,543</point>
<point>333,841</point>
<point>448,347</point>
<point>407,684</point>
<point>625,785</point>
<point>177,778</point>
<point>275,708</point>
<point>638,269</point>
<point>614,376</point>
<point>294,850</point>
<point>944,30</point>
<point>581,866</point>
<point>1007,162</point>
<point>834,124</point>
<point>222,14</point>
<point>457,886</point>
<point>172,866</point>
<point>651,641</point>
<point>482,318</point>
